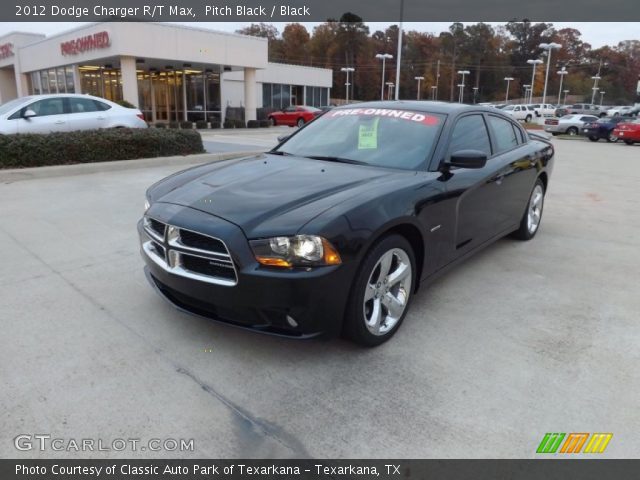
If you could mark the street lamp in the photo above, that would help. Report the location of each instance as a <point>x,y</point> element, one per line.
<point>526,91</point>
<point>601,96</point>
<point>419,79</point>
<point>390,85</point>
<point>347,84</point>
<point>549,47</point>
<point>562,73</point>
<point>595,87</point>
<point>383,57</point>
<point>535,63</point>
<point>475,92</point>
<point>565,96</point>
<point>433,92</point>
<point>461,84</point>
<point>509,80</point>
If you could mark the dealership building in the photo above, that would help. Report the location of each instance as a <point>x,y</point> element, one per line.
<point>170,72</point>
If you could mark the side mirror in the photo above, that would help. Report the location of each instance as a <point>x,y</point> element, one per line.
<point>468,159</point>
<point>28,113</point>
<point>282,138</point>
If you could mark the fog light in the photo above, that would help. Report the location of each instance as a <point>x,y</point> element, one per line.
<point>291,321</point>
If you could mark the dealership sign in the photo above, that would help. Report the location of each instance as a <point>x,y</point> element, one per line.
<point>84,44</point>
<point>6,50</point>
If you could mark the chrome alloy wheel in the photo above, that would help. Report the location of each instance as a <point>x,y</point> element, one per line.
<point>387,292</point>
<point>535,209</point>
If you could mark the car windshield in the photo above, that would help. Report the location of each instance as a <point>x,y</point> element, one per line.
<point>382,137</point>
<point>567,117</point>
<point>509,107</point>
<point>11,104</point>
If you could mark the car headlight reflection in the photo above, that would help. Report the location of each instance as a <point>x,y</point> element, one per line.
<point>296,251</point>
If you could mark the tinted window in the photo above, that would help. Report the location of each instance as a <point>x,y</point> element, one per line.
<point>50,106</point>
<point>505,137</point>
<point>101,106</point>
<point>82,105</point>
<point>470,133</point>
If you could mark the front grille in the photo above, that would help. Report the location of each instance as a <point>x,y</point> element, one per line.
<point>201,242</point>
<point>189,254</point>
<point>208,266</point>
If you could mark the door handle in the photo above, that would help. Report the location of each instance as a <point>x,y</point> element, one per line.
<point>59,122</point>
<point>101,118</point>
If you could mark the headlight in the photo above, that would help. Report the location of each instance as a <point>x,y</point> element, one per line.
<point>146,205</point>
<point>297,251</point>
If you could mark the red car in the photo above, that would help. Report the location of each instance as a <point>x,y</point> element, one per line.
<point>628,132</point>
<point>295,115</point>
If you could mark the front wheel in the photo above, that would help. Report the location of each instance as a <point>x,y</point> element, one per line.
<point>381,292</point>
<point>593,139</point>
<point>530,221</point>
<point>611,138</point>
<point>629,142</point>
<point>528,118</point>
<point>300,122</point>
<point>272,121</point>
<point>572,131</point>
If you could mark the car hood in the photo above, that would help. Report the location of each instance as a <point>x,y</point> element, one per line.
<point>269,194</point>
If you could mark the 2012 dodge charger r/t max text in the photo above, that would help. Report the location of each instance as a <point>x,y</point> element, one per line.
<point>334,230</point>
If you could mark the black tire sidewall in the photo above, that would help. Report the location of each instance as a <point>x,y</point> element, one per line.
<point>354,326</point>
<point>522,233</point>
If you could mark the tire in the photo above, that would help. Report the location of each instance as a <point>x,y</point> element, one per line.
<point>300,122</point>
<point>527,118</point>
<point>530,222</point>
<point>272,121</point>
<point>394,254</point>
<point>629,142</point>
<point>572,131</point>
<point>611,138</point>
<point>593,139</point>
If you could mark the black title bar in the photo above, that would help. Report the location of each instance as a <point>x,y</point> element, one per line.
<point>317,10</point>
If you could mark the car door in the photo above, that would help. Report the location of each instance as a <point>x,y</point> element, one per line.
<point>473,194</point>
<point>84,114</point>
<point>50,116</point>
<point>289,115</point>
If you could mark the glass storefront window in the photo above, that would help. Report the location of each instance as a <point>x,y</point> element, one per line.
<point>35,83</point>
<point>70,84</point>
<point>44,81</point>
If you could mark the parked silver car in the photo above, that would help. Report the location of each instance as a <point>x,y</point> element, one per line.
<point>64,113</point>
<point>569,124</point>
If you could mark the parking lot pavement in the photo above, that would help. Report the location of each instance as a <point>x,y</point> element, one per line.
<point>523,339</point>
<point>242,139</point>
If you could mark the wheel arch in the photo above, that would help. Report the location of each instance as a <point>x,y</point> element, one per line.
<point>544,178</point>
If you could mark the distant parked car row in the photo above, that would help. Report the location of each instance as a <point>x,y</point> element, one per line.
<point>594,128</point>
<point>65,112</point>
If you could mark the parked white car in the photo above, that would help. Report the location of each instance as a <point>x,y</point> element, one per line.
<point>543,109</point>
<point>64,113</point>
<point>520,112</point>
<point>620,110</point>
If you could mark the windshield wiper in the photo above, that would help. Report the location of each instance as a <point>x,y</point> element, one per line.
<point>279,152</point>
<point>336,159</point>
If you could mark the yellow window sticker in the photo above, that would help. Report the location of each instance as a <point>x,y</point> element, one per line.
<point>368,135</point>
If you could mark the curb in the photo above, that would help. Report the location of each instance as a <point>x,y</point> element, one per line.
<point>33,173</point>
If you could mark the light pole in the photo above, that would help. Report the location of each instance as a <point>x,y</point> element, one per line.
<point>390,86</point>
<point>509,80</point>
<point>433,92</point>
<point>461,84</point>
<point>419,79</point>
<point>549,47</point>
<point>347,70</point>
<point>562,73</point>
<point>399,54</point>
<point>526,92</point>
<point>595,87</point>
<point>383,57</point>
<point>565,96</point>
<point>601,96</point>
<point>475,94</point>
<point>535,63</point>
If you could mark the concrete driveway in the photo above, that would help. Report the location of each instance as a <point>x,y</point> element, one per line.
<point>523,339</point>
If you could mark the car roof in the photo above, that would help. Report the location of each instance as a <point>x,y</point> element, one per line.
<point>428,106</point>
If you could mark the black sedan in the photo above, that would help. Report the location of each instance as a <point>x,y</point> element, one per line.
<point>603,128</point>
<point>334,230</point>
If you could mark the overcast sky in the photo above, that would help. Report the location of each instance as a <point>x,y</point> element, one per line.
<point>595,33</point>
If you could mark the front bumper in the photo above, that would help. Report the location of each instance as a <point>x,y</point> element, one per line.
<point>296,303</point>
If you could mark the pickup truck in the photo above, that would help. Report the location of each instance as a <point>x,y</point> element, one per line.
<point>587,109</point>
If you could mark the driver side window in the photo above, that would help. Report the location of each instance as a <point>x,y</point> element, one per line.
<point>470,133</point>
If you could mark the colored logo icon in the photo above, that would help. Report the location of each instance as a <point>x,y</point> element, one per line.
<point>574,443</point>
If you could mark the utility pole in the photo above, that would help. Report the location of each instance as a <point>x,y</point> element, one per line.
<point>399,56</point>
<point>435,97</point>
<point>595,83</point>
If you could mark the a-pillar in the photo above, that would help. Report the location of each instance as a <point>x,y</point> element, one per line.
<point>129,80</point>
<point>250,94</point>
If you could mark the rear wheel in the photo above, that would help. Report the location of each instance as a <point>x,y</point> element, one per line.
<point>528,118</point>
<point>272,121</point>
<point>572,131</point>
<point>611,138</point>
<point>381,292</point>
<point>300,122</point>
<point>629,142</point>
<point>593,139</point>
<point>532,216</point>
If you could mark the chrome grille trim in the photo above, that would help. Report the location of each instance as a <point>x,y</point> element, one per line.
<point>173,251</point>
<point>146,222</point>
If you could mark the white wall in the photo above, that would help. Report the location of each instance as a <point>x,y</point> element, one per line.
<point>290,75</point>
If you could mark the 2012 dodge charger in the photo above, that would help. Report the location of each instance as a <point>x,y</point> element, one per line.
<point>334,230</point>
